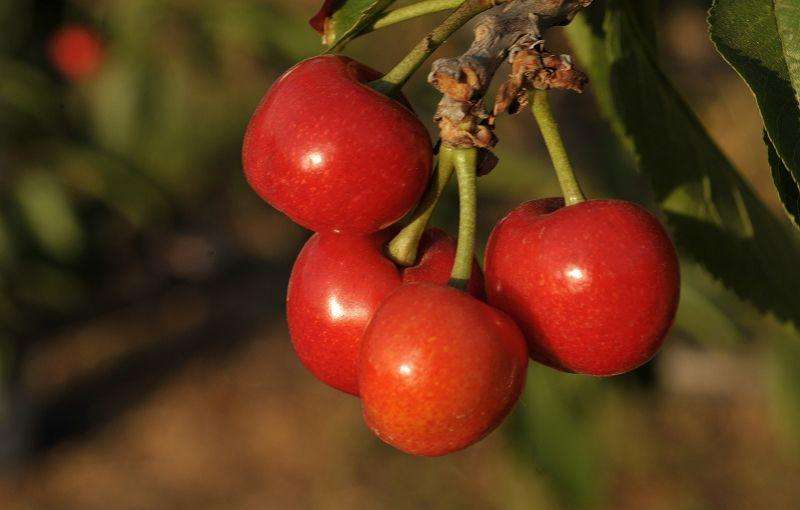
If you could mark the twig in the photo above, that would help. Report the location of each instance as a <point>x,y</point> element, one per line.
<point>514,28</point>
<point>394,80</point>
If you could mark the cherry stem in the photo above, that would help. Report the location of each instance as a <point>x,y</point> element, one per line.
<point>466,165</point>
<point>394,80</point>
<point>540,105</point>
<point>404,247</point>
<point>413,11</point>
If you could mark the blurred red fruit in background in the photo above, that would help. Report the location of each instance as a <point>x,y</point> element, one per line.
<point>76,52</point>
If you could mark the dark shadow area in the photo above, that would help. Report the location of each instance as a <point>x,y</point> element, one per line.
<point>239,304</point>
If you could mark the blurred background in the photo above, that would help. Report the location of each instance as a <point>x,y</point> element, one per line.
<point>144,357</point>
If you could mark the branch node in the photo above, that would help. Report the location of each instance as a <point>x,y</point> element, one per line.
<point>513,31</point>
<point>536,68</point>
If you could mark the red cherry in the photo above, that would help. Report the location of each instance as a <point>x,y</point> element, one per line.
<point>332,153</point>
<point>594,286</point>
<point>76,51</point>
<point>437,252</point>
<point>439,369</point>
<point>337,284</point>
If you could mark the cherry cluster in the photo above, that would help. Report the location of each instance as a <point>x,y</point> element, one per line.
<point>590,288</point>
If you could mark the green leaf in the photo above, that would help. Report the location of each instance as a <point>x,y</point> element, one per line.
<point>704,320</point>
<point>788,188</point>
<point>783,384</point>
<point>761,40</point>
<point>340,21</point>
<point>555,429</point>
<point>715,217</point>
<point>787,14</point>
<point>104,178</point>
<point>50,215</point>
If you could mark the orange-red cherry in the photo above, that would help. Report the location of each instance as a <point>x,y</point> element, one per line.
<point>439,369</point>
<point>339,281</point>
<point>594,286</point>
<point>332,153</point>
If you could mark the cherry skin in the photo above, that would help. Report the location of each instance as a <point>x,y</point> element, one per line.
<point>339,281</point>
<point>76,52</point>
<point>439,369</point>
<point>332,153</point>
<point>594,286</point>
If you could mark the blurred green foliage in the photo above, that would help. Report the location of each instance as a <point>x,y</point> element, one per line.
<point>142,145</point>
<point>555,430</point>
<point>97,177</point>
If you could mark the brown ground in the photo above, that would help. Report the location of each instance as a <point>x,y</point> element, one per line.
<point>248,428</point>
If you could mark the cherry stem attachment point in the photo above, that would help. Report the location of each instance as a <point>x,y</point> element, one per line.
<point>540,105</point>
<point>412,11</point>
<point>404,247</point>
<point>466,165</point>
<point>394,80</point>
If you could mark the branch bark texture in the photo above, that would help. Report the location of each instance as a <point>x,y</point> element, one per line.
<point>513,30</point>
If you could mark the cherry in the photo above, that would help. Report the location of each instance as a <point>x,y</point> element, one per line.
<point>437,251</point>
<point>594,286</point>
<point>75,51</point>
<point>332,153</point>
<point>439,369</point>
<point>337,284</point>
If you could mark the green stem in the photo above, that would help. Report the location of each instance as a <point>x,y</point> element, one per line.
<point>466,164</point>
<point>540,104</point>
<point>403,248</point>
<point>394,80</point>
<point>413,11</point>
